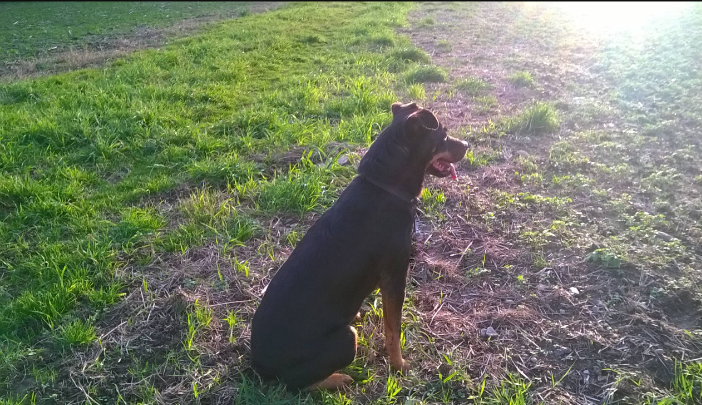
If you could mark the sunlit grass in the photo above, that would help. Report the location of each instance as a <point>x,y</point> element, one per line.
<point>85,154</point>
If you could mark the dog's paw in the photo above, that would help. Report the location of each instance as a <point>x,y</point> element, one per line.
<point>403,367</point>
<point>336,381</point>
<point>345,379</point>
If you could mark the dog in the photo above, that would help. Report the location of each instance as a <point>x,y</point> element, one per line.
<point>301,332</point>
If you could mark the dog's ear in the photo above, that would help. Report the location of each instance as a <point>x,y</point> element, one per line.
<point>421,122</point>
<point>398,107</point>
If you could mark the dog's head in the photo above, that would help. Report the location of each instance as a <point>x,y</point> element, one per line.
<point>426,141</point>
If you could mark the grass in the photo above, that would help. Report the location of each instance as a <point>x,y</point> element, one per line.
<point>80,159</point>
<point>26,31</point>
<point>425,74</point>
<point>687,386</point>
<point>472,86</point>
<point>416,92</point>
<point>609,191</point>
<point>426,22</point>
<point>540,118</point>
<point>412,55</point>
<point>432,200</point>
<point>486,103</point>
<point>77,333</point>
<point>521,79</point>
<point>84,152</point>
<point>181,178</point>
<point>297,193</point>
<point>444,45</point>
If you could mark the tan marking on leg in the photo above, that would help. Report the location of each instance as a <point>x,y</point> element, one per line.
<point>392,315</point>
<point>335,381</point>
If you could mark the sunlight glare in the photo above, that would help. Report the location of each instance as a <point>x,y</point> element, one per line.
<point>614,17</point>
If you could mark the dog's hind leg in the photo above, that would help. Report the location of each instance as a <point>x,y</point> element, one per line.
<point>317,371</point>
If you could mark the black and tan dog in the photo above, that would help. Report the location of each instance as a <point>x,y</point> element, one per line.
<point>301,332</point>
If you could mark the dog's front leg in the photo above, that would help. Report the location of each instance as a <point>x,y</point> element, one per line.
<point>393,292</point>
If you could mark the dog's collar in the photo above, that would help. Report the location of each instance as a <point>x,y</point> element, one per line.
<point>405,197</point>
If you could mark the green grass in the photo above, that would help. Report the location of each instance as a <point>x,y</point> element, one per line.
<point>686,387</point>
<point>83,153</point>
<point>444,45</point>
<point>425,74</point>
<point>176,164</point>
<point>77,333</point>
<point>30,29</point>
<point>207,214</point>
<point>472,86</point>
<point>412,55</point>
<point>19,400</point>
<point>486,103</point>
<point>417,92</point>
<point>511,391</point>
<point>298,192</point>
<point>198,318</point>
<point>540,118</point>
<point>521,79</point>
<point>432,201</point>
<point>426,22</point>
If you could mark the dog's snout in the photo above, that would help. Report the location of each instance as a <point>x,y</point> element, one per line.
<point>461,148</point>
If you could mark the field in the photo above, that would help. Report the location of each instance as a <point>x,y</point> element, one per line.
<point>68,35</point>
<point>145,202</point>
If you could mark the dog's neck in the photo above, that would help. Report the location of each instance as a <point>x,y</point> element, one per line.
<point>388,165</point>
<point>408,198</point>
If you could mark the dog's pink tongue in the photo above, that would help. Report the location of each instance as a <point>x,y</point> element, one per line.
<point>453,172</point>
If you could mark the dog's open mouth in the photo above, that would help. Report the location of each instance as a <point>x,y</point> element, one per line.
<point>443,168</point>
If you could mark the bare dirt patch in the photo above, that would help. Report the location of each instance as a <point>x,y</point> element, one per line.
<point>509,262</point>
